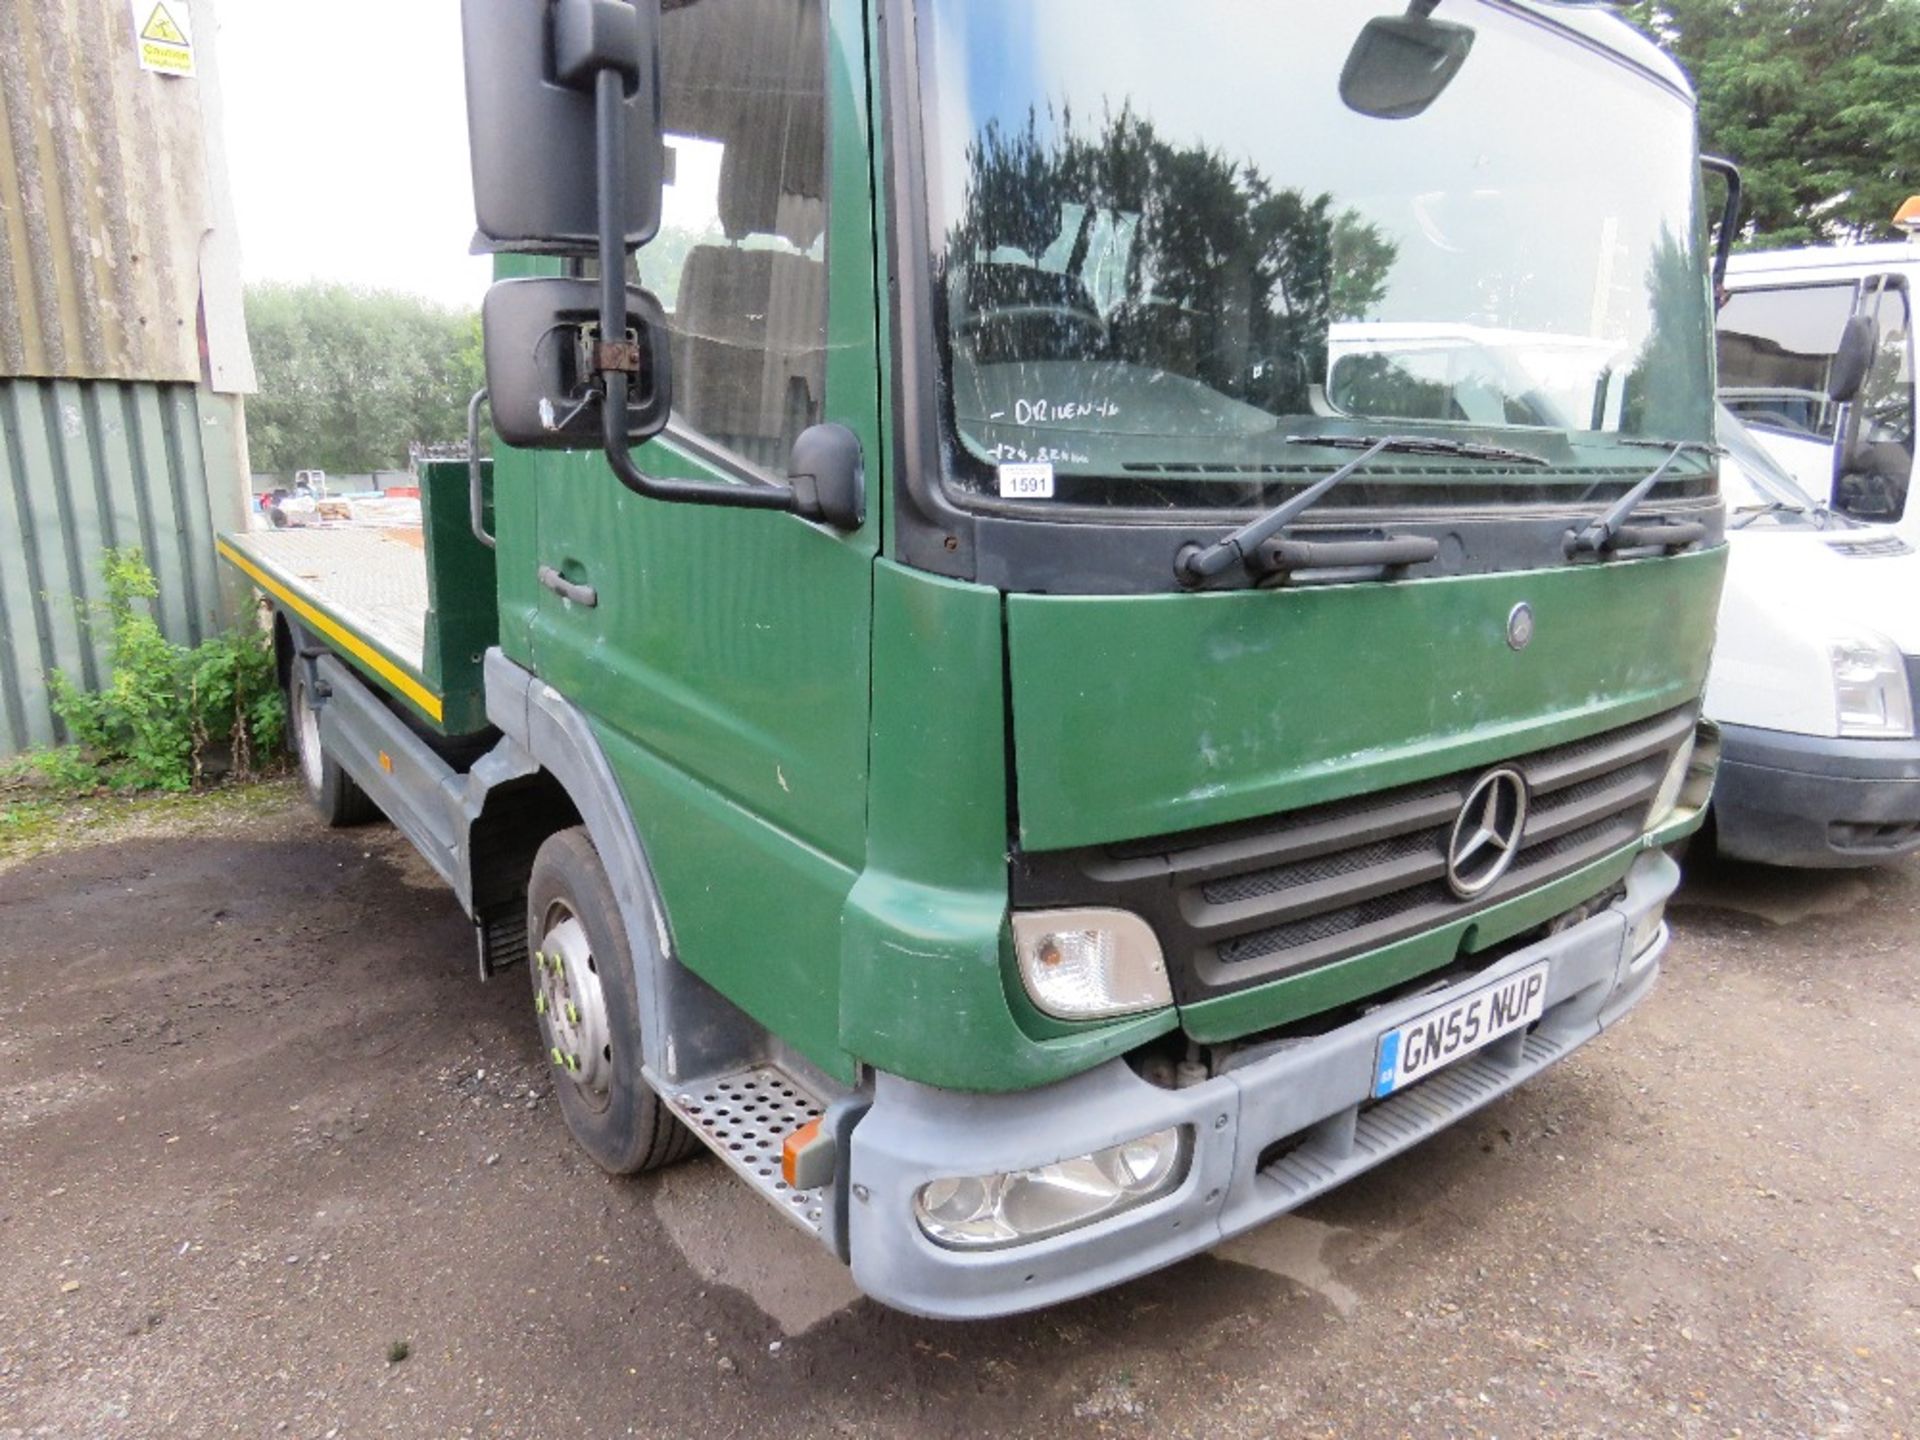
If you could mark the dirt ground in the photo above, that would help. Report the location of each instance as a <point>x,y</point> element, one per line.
<point>259,1125</point>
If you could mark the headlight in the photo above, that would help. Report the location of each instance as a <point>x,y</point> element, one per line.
<point>990,1212</point>
<point>1870,693</point>
<point>1090,964</point>
<point>1667,797</point>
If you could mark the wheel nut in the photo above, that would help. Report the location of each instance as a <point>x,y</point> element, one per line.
<point>573,1013</point>
<point>558,1058</point>
<point>539,1004</point>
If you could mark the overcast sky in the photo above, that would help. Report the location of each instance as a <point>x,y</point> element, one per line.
<point>347,136</point>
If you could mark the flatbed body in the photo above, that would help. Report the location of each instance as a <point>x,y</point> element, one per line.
<point>370,592</point>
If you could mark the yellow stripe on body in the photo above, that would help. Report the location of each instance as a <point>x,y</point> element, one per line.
<point>428,702</point>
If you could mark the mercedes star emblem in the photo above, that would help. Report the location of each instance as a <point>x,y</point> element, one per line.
<point>1520,626</point>
<point>1486,836</point>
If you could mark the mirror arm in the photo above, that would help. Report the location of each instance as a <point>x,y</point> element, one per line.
<point>1729,220</point>
<point>611,161</point>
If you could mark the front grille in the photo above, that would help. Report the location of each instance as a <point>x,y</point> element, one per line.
<point>1239,904</point>
<point>1878,547</point>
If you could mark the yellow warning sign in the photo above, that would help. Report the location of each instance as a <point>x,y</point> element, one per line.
<point>160,27</point>
<point>163,33</point>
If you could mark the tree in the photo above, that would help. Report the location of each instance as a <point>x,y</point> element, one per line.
<point>1228,279</point>
<point>1814,99</point>
<point>349,378</point>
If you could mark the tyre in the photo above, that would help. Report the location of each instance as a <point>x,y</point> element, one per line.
<point>333,792</point>
<point>584,994</point>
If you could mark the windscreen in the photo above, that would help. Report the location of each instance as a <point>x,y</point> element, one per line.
<point>1168,257</point>
<point>1778,350</point>
<point>1776,356</point>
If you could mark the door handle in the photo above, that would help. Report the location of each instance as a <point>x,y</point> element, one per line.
<point>585,596</point>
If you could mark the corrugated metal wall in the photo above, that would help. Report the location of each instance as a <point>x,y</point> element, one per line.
<point>87,465</point>
<point>122,341</point>
<point>104,198</point>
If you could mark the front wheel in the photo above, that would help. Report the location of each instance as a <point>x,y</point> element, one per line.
<point>584,993</point>
<point>333,792</point>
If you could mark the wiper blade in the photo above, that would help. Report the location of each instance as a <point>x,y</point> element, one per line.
<point>1603,532</point>
<point>1420,445</point>
<point>1197,564</point>
<point>1750,513</point>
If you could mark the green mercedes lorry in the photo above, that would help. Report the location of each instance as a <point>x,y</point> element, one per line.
<point>1086,618</point>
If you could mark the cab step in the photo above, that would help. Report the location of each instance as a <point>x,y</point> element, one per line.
<point>744,1116</point>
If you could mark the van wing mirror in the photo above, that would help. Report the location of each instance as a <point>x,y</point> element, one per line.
<point>1853,358</point>
<point>544,359</point>
<point>1401,63</point>
<point>532,67</point>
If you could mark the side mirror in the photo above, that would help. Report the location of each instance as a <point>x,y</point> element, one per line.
<point>532,82</point>
<point>544,358</point>
<point>829,474</point>
<point>1852,359</point>
<point>1401,63</point>
<point>563,106</point>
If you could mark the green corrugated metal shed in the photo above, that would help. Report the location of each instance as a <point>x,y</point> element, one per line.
<point>123,352</point>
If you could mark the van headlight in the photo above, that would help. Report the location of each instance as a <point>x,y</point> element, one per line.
<point>1090,964</point>
<point>991,1212</point>
<point>1871,695</point>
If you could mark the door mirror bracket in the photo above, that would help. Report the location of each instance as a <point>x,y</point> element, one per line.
<point>1729,227</point>
<point>528,127</point>
<point>594,35</point>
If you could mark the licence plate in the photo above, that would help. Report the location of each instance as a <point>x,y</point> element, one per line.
<point>1458,1028</point>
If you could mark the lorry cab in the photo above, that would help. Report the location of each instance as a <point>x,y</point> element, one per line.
<point>958,718</point>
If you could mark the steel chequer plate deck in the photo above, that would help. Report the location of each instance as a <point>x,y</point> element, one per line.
<point>372,580</point>
<point>743,1116</point>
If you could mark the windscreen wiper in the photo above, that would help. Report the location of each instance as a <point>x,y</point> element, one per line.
<point>1749,513</point>
<point>1262,547</point>
<point>1610,532</point>
<point>1420,445</point>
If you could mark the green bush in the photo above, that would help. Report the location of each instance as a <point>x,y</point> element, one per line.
<point>166,709</point>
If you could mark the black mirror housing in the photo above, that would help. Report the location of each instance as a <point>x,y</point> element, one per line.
<point>531,66</point>
<point>1401,64</point>
<point>829,476</point>
<point>543,354</point>
<point>1853,358</point>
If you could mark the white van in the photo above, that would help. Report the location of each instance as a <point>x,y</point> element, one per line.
<point>1817,359</point>
<point>1817,669</point>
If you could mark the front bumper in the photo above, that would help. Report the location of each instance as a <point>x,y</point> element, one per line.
<point>1812,800</point>
<point>1315,1091</point>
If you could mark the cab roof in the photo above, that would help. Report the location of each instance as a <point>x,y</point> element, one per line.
<point>1830,259</point>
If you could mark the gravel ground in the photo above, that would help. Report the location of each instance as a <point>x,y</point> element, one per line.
<point>262,1134</point>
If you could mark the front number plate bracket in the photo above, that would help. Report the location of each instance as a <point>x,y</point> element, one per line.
<point>1436,1039</point>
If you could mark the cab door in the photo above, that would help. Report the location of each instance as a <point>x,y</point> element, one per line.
<point>723,655</point>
